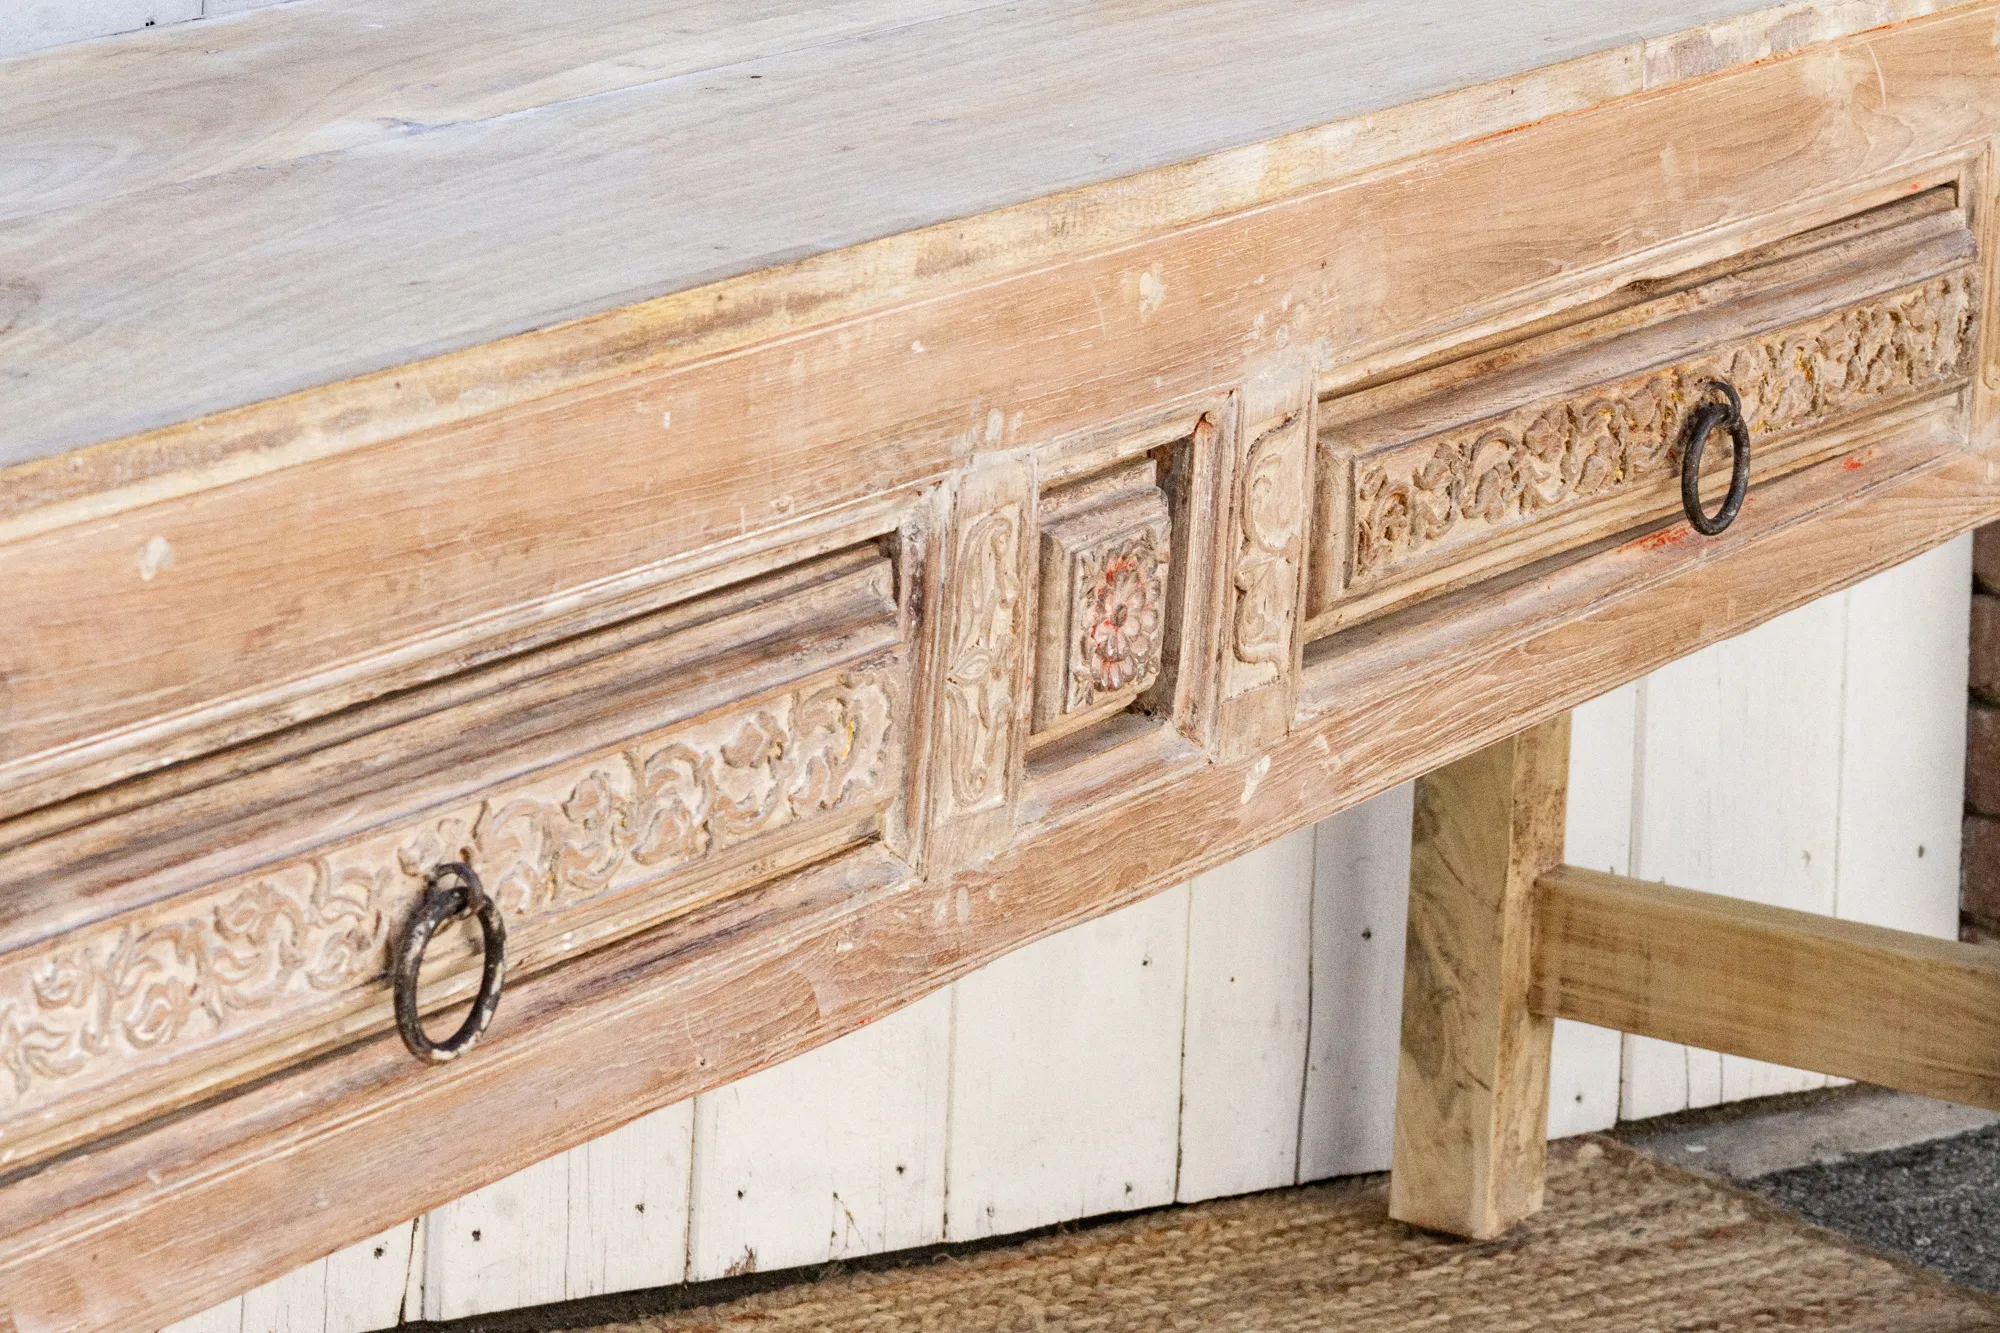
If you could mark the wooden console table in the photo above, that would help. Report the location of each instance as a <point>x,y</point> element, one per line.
<point>775,509</point>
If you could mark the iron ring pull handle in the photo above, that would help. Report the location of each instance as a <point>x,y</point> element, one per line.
<point>1728,414</point>
<point>450,890</point>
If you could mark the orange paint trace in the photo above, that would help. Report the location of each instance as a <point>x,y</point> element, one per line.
<point>1661,540</point>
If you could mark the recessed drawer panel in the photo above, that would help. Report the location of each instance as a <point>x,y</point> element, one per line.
<point>597,787</point>
<point>1573,430</point>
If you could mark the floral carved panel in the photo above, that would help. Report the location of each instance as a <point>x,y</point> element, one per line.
<point>1103,615</point>
<point>1422,501</point>
<point>303,942</point>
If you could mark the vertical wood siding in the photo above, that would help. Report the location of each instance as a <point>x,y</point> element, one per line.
<point>1238,1033</point>
<point>1249,1005</point>
<point>839,1152</point>
<point>1066,1071</point>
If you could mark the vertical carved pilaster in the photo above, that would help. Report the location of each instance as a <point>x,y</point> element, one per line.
<point>981,685</point>
<point>1266,552</point>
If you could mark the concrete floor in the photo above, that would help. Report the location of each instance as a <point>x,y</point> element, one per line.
<point>1903,1174</point>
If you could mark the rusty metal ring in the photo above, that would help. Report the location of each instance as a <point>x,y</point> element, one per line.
<point>1727,414</point>
<point>450,890</point>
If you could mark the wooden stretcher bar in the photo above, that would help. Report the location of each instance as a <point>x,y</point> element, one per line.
<point>1503,939</point>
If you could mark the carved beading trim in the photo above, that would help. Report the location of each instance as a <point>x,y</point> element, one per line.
<point>1479,481</point>
<point>256,950</point>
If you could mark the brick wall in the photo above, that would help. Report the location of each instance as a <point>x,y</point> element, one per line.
<point>1979,900</point>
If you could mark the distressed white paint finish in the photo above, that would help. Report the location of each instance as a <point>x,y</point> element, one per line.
<point>501,1247</point>
<point>838,1152</point>
<point>354,1290</point>
<point>1739,777</point>
<point>413,1283</point>
<point>224,1318</point>
<point>628,1206</point>
<point>1361,899</point>
<point>1249,997</point>
<point>294,1303</point>
<point>1065,1085</point>
<point>1901,793</point>
<point>1583,1066</point>
<point>365,1283</point>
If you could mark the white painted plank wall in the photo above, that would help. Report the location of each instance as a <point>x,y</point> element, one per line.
<point>1237,1033</point>
<point>1804,764</point>
<point>1361,896</point>
<point>1066,1075</point>
<point>839,1152</point>
<point>1249,1005</point>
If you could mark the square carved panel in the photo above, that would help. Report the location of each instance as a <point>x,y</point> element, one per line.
<point>1103,621</point>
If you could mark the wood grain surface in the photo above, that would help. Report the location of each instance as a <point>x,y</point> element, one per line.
<point>331,563</point>
<point>316,204</point>
<point>646,1023</point>
<point>1472,1081</point>
<point>342,575</point>
<point>1889,1007</point>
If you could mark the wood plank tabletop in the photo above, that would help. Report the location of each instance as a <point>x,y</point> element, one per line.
<point>225,211</point>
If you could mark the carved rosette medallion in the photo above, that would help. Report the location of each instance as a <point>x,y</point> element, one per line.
<point>285,947</point>
<point>1117,643</point>
<point>1271,508</point>
<point>1103,608</point>
<point>1469,484</point>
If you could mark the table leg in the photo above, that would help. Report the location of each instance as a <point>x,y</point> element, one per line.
<point>1472,1085</point>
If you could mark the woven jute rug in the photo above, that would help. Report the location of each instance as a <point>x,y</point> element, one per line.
<point>1625,1243</point>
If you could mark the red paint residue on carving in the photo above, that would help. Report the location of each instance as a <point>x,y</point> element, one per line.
<point>1854,462</point>
<point>1661,540</point>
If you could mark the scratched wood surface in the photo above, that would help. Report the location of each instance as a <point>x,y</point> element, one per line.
<point>1472,1077</point>
<point>1893,1008</point>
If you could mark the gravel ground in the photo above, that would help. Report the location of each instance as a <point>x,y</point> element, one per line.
<point>1902,1174</point>
<point>1937,1203</point>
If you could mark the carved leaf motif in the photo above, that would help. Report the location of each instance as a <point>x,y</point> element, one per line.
<point>1272,505</point>
<point>985,653</point>
<point>1552,455</point>
<point>172,978</point>
<point>668,819</point>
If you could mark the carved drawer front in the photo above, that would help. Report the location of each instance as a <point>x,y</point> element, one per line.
<point>597,787</point>
<point>1519,450</point>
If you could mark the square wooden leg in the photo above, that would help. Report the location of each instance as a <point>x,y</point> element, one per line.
<point>1472,1082</point>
